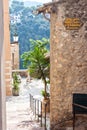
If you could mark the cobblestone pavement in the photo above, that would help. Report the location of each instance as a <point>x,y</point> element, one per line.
<point>19,114</point>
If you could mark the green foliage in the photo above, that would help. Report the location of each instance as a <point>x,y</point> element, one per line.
<point>15,81</point>
<point>43,93</point>
<point>30,27</point>
<point>35,59</point>
<point>16,6</point>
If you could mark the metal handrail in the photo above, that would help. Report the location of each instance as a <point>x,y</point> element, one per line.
<point>36,106</point>
<point>78,105</point>
<point>81,106</point>
<point>72,118</point>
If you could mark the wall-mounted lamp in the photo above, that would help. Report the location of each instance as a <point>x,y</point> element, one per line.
<point>15,37</point>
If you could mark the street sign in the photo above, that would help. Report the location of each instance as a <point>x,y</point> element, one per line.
<point>72,23</point>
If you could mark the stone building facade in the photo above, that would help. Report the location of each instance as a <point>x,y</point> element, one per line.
<point>68,58</point>
<point>7,48</point>
<point>15,55</point>
<point>11,51</point>
<point>2,64</point>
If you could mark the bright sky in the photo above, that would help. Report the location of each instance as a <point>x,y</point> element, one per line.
<point>43,1</point>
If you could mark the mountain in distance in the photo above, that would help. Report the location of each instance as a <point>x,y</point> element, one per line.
<point>27,3</point>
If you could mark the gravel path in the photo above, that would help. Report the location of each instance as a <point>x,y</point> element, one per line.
<point>19,114</point>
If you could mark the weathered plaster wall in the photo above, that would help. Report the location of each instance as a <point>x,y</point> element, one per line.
<point>68,59</point>
<point>7,48</point>
<point>2,61</point>
<point>15,55</point>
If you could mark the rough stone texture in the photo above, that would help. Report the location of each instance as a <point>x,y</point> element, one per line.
<point>15,55</point>
<point>7,48</point>
<point>68,59</point>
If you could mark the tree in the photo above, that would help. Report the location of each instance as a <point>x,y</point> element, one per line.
<point>16,6</point>
<point>30,26</point>
<point>36,61</point>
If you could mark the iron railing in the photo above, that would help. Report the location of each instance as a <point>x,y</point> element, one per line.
<point>74,112</point>
<point>36,106</point>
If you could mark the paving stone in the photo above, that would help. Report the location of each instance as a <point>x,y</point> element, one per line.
<point>19,115</point>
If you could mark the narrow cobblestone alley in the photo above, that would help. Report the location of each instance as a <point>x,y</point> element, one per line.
<point>18,112</point>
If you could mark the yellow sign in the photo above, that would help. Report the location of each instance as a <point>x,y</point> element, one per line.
<point>72,23</point>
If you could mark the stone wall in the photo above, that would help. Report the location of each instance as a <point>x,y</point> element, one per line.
<point>7,48</point>
<point>15,55</point>
<point>68,59</point>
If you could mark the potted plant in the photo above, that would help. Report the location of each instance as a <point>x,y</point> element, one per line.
<point>45,94</point>
<point>46,100</point>
<point>15,89</point>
